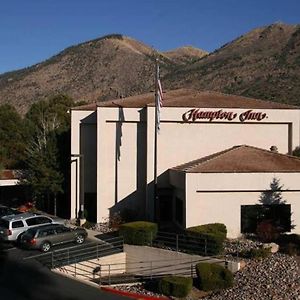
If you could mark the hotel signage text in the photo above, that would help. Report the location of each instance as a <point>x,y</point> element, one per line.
<point>198,114</point>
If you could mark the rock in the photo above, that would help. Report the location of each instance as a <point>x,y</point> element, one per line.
<point>242,264</point>
<point>273,247</point>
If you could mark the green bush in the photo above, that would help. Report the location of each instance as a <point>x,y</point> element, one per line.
<point>213,277</point>
<point>289,244</point>
<point>218,229</point>
<point>138,233</point>
<point>176,286</point>
<point>214,234</point>
<point>88,225</point>
<point>256,253</point>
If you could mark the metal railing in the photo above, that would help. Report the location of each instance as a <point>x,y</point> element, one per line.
<point>141,271</point>
<point>185,243</point>
<point>63,257</point>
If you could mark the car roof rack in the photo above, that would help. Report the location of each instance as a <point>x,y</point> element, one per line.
<point>19,217</point>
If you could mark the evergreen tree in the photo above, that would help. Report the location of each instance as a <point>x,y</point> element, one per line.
<point>274,195</point>
<point>274,213</point>
<point>12,145</point>
<point>296,151</point>
<point>47,152</point>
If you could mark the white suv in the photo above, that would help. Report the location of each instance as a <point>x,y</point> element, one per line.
<point>11,227</point>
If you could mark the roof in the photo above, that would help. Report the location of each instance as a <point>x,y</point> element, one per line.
<point>242,159</point>
<point>10,174</point>
<point>189,98</point>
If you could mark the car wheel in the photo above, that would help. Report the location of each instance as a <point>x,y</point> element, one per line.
<point>18,241</point>
<point>45,247</point>
<point>80,239</point>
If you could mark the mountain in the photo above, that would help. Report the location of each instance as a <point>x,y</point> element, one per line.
<point>264,63</point>
<point>185,55</point>
<point>105,68</point>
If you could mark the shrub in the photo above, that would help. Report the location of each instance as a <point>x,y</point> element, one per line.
<point>218,229</point>
<point>256,253</point>
<point>138,233</point>
<point>88,225</point>
<point>213,277</point>
<point>214,235</point>
<point>176,286</point>
<point>289,244</point>
<point>115,221</point>
<point>290,249</point>
<point>267,232</point>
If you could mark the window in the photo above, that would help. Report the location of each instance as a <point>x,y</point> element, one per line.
<point>62,229</point>
<point>31,222</point>
<point>38,221</point>
<point>43,220</point>
<point>278,214</point>
<point>17,224</point>
<point>46,232</point>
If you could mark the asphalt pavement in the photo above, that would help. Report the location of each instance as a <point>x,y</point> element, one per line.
<point>29,280</point>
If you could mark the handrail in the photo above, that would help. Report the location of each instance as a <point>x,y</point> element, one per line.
<point>144,268</point>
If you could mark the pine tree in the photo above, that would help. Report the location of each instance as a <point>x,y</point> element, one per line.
<point>12,144</point>
<point>274,195</point>
<point>274,213</point>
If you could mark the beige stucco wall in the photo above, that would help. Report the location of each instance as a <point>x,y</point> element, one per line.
<point>213,203</point>
<point>79,118</point>
<point>120,161</point>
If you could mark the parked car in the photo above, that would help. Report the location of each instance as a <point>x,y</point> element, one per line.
<point>7,211</point>
<point>11,227</point>
<point>45,236</point>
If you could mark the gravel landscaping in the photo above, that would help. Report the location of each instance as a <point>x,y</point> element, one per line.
<point>274,278</point>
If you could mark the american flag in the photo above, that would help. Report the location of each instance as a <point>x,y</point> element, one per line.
<point>159,99</point>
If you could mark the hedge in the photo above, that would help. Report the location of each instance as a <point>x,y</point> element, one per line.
<point>176,286</point>
<point>213,277</point>
<point>218,229</point>
<point>138,233</point>
<point>289,243</point>
<point>214,234</point>
<point>256,253</point>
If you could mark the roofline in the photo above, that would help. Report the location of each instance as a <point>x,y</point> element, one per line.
<point>220,153</point>
<point>95,105</point>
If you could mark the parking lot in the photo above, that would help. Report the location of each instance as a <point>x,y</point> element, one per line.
<point>25,253</point>
<point>24,275</point>
<point>22,279</point>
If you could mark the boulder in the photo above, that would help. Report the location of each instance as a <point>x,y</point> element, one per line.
<point>273,247</point>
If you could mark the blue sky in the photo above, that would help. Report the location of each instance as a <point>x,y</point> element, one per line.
<point>33,30</point>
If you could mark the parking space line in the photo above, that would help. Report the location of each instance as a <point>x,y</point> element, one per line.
<point>8,249</point>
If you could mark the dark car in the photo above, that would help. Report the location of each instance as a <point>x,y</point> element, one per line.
<point>45,236</point>
<point>7,211</point>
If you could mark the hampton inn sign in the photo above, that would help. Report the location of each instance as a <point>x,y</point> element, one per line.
<point>197,114</point>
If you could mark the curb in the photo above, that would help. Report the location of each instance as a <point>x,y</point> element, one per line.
<point>133,295</point>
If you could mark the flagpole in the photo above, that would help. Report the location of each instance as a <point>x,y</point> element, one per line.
<point>155,194</point>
